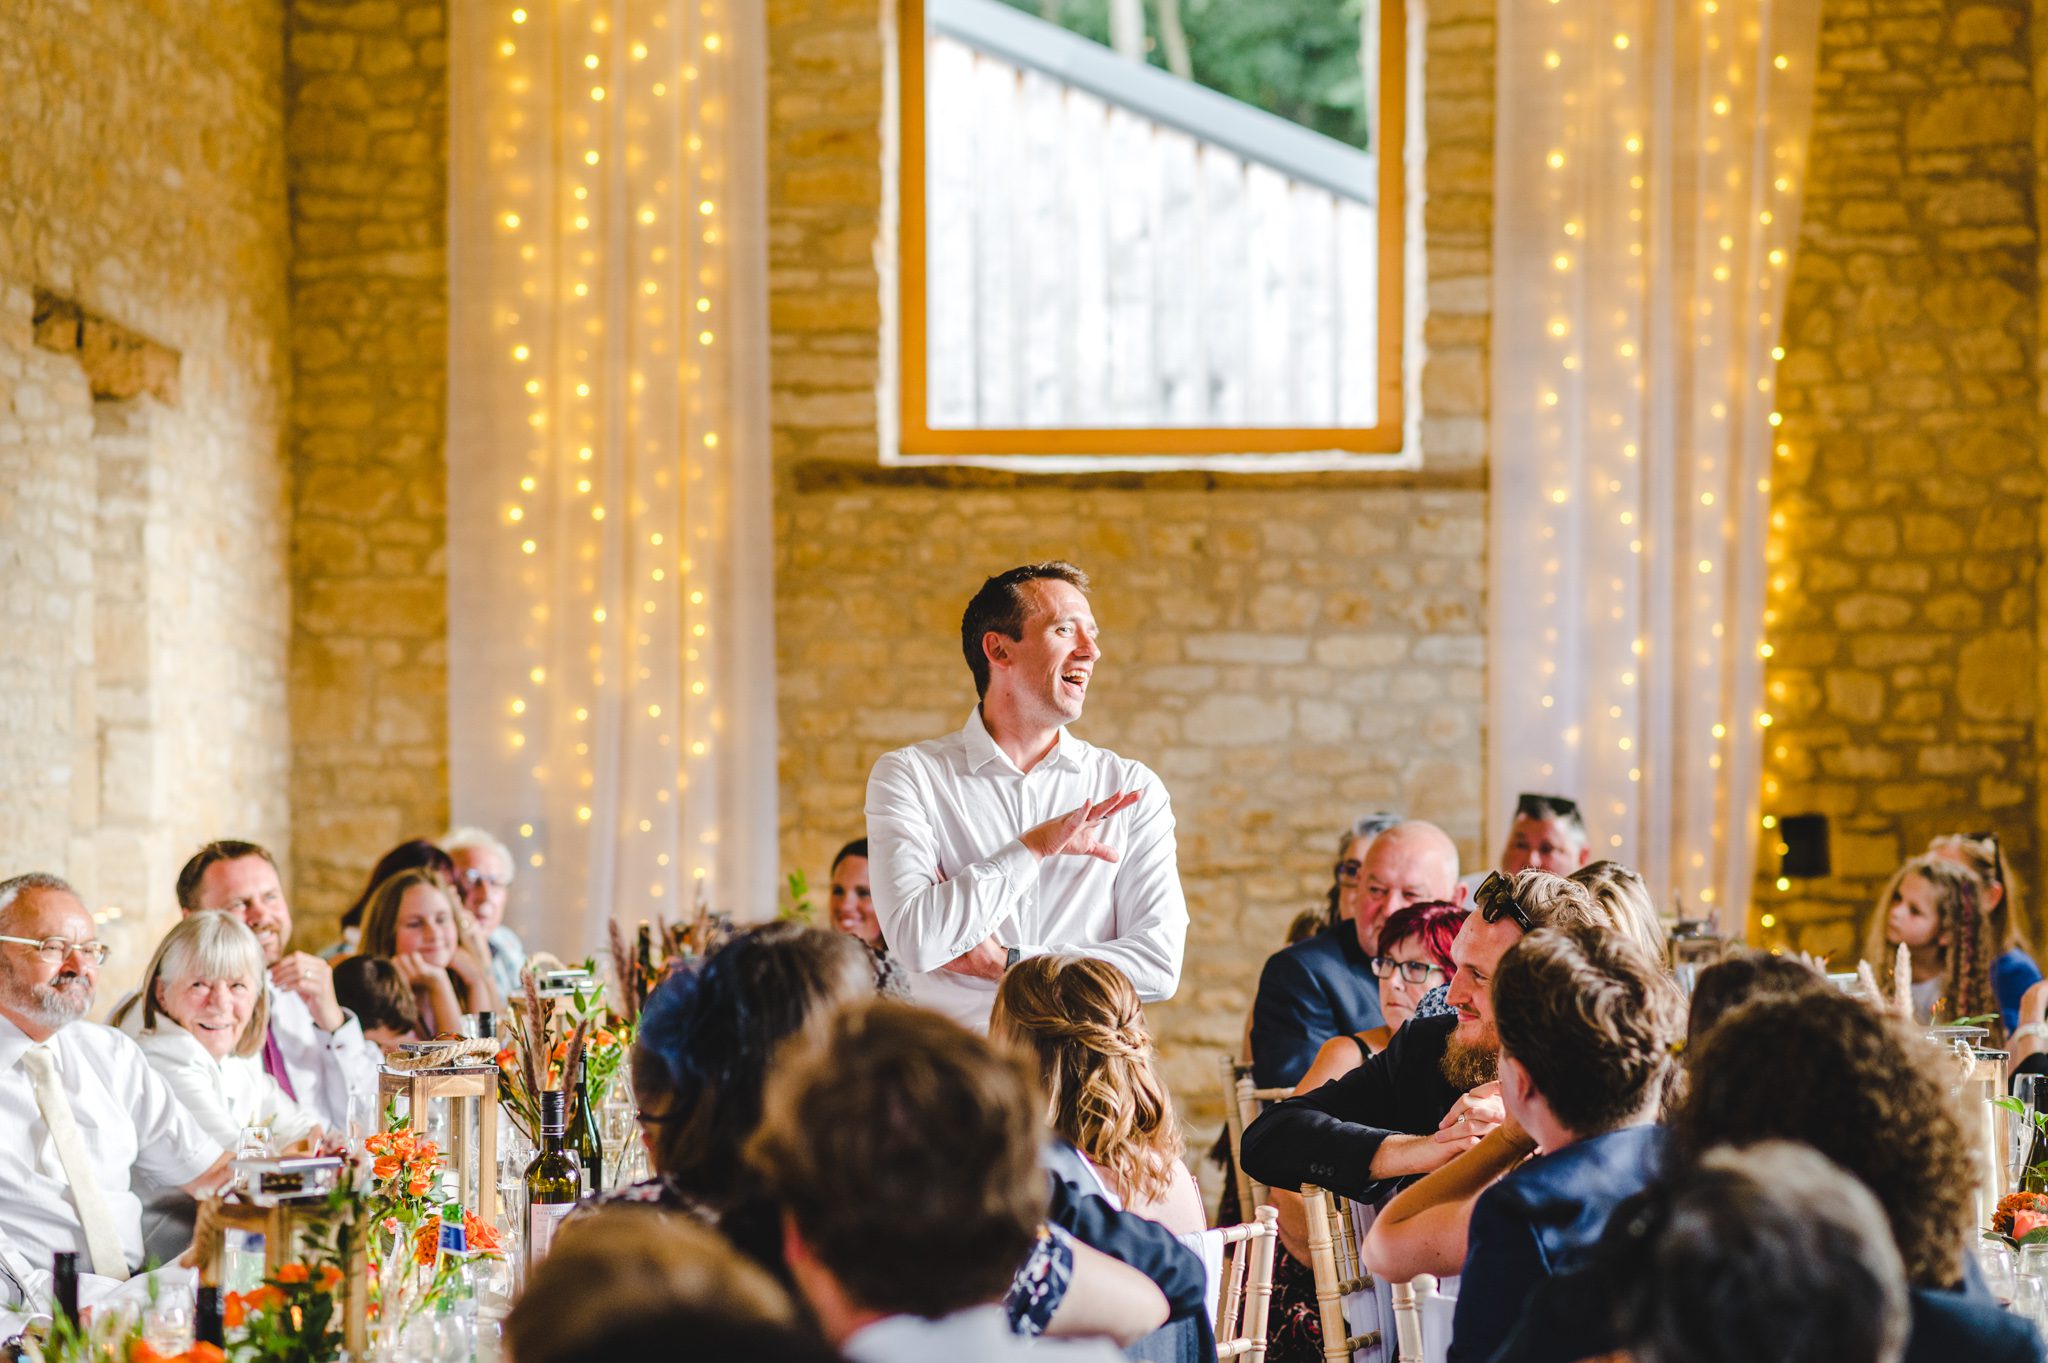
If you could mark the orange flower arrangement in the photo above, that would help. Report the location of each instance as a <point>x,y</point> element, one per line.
<point>2001,1217</point>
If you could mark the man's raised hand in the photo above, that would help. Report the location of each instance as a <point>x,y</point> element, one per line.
<point>1078,832</point>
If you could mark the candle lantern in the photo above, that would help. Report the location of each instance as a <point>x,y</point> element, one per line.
<point>1694,945</point>
<point>463,1077</point>
<point>286,1202</point>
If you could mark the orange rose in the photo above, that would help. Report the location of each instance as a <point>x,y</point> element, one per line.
<point>481,1234</point>
<point>265,1298</point>
<point>387,1166</point>
<point>330,1277</point>
<point>605,1038</point>
<point>417,1185</point>
<point>293,1273</point>
<point>426,1242</point>
<point>140,1352</point>
<point>234,1311</point>
<point>203,1352</point>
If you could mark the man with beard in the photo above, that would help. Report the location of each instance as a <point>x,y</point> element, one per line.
<point>83,1110</point>
<point>315,1048</point>
<point>1432,1092</point>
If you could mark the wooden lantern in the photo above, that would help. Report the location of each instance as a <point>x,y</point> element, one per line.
<point>461,1082</point>
<point>281,1200</point>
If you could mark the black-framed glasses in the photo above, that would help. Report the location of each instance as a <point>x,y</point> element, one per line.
<point>1496,896</point>
<point>1348,872</point>
<point>1530,805</point>
<point>57,949</point>
<point>1415,972</point>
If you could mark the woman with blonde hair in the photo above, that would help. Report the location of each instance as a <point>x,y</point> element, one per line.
<point>412,920</point>
<point>1080,1019</point>
<point>2013,970</point>
<point>1624,896</point>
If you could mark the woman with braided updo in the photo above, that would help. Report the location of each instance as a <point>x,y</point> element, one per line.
<point>1080,1019</point>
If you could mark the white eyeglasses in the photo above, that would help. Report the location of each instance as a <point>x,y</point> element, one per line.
<point>55,949</point>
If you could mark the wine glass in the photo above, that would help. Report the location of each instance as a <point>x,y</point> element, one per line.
<point>1996,1262</point>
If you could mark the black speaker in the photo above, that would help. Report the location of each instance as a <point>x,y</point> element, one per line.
<point>1803,846</point>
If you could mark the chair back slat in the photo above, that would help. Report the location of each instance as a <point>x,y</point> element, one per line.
<point>1242,1103</point>
<point>1246,1284</point>
<point>1408,1323</point>
<point>1333,1258</point>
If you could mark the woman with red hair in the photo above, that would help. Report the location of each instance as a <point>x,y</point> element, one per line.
<point>1414,957</point>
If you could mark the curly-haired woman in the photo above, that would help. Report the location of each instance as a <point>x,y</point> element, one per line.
<point>1081,1020</point>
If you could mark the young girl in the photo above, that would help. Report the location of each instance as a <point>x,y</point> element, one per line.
<point>1935,908</point>
<point>2013,971</point>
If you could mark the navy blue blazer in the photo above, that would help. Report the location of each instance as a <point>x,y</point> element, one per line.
<point>1320,987</point>
<point>1540,1220</point>
<point>1948,1326</point>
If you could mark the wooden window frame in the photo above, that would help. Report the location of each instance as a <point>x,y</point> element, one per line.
<point>916,437</point>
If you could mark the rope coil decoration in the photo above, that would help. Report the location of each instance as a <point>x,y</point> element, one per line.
<point>455,1053</point>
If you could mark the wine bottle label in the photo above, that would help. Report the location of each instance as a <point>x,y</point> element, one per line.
<point>543,1219</point>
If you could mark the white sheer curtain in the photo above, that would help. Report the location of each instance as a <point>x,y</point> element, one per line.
<point>611,666</point>
<point>1650,156</point>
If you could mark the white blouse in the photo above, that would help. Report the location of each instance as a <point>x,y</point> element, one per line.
<point>224,1095</point>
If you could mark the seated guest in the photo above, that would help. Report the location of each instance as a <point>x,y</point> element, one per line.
<point>1079,1020</point>
<point>1414,958</point>
<point>2013,971</point>
<point>483,875</point>
<point>313,1047</point>
<point>1741,975</point>
<point>1762,1255</point>
<point>1937,909</point>
<point>1587,1024</point>
<point>852,901</point>
<point>85,1113</point>
<point>1548,833</point>
<point>382,1001</point>
<point>1866,1090</point>
<point>199,1018</point>
<point>903,1151</point>
<point>413,854</point>
<point>1625,896</point>
<point>615,1279</point>
<point>1324,987</point>
<point>1347,877</point>
<point>413,922</point>
<point>1431,1093</point>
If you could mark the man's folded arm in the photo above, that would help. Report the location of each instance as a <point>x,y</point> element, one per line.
<point>1318,1137</point>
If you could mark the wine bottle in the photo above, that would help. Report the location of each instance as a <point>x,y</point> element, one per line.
<point>645,960</point>
<point>589,1140</point>
<point>64,1284</point>
<point>206,1319</point>
<point>553,1181</point>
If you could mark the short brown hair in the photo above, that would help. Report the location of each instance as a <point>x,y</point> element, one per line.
<point>224,849</point>
<point>1591,1018</point>
<point>1555,902</point>
<point>905,1149</point>
<point>1080,1021</point>
<point>1864,1089</point>
<point>372,989</point>
<point>1001,607</point>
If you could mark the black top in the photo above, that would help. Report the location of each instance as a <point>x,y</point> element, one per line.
<point>1540,1220</point>
<point>1318,988</point>
<point>1329,1137</point>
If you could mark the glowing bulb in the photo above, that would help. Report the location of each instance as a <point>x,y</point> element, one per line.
<point>1765,650</point>
<point>1764,719</point>
<point>1770,821</point>
<point>597,92</point>
<point>518,16</point>
<point>639,52</point>
<point>696,598</point>
<point>1777,418</point>
<point>707,208</point>
<point>1552,60</point>
<point>1706,565</point>
<point>1634,144</point>
<point>1770,920</point>
<point>583,813</point>
<point>703,338</point>
<point>597,513</point>
<point>1784,884</point>
<point>511,219</point>
<point>711,42</point>
<point>515,514</point>
<point>1556,160</point>
<point>1621,42</point>
<point>1563,262</point>
<point>1777,352</point>
<point>519,740</point>
<point>711,440</point>
<point>590,158</point>
<point>590,62</point>
<point>697,749</point>
<point>1720,731</point>
<point>1781,62</point>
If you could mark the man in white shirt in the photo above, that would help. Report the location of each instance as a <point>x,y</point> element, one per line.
<point>903,1152</point>
<point>1012,837</point>
<point>316,1049</point>
<point>83,1111</point>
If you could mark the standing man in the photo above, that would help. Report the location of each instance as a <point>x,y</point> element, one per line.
<point>315,1048</point>
<point>1011,837</point>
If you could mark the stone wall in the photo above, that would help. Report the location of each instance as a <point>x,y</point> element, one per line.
<point>1288,652</point>
<point>367,85</point>
<point>1907,498</point>
<point>142,538</point>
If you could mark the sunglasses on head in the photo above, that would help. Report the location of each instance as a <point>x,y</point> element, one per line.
<point>1534,806</point>
<point>1494,897</point>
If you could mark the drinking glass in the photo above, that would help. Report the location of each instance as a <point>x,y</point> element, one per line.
<point>1996,1262</point>
<point>2029,1298</point>
<point>167,1323</point>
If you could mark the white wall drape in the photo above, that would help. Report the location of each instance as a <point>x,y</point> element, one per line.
<point>1650,156</point>
<point>611,665</point>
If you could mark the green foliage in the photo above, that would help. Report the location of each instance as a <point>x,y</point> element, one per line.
<point>798,908</point>
<point>1297,59</point>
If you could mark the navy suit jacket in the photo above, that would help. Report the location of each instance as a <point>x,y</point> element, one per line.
<point>1949,1326</point>
<point>1320,987</point>
<point>1540,1220</point>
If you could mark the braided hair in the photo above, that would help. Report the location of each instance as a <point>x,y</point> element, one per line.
<point>1081,1020</point>
<point>1970,944</point>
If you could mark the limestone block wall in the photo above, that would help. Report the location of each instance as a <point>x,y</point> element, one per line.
<point>1287,652</point>
<point>145,185</point>
<point>1908,493</point>
<point>367,89</point>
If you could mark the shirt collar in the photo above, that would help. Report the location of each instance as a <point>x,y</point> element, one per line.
<point>983,749</point>
<point>14,1044</point>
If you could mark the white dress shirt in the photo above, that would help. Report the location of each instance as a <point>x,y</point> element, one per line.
<point>131,1123</point>
<point>980,1333</point>
<point>226,1095</point>
<point>948,870</point>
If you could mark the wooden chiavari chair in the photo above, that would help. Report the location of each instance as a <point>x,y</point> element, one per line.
<point>1333,1258</point>
<point>1245,1287</point>
<point>1241,1106</point>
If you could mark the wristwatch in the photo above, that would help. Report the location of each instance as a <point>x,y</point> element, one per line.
<point>2033,1030</point>
<point>1012,955</point>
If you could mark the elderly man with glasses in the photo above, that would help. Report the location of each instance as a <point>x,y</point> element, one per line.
<point>1324,986</point>
<point>483,876</point>
<point>1432,1092</point>
<point>84,1111</point>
